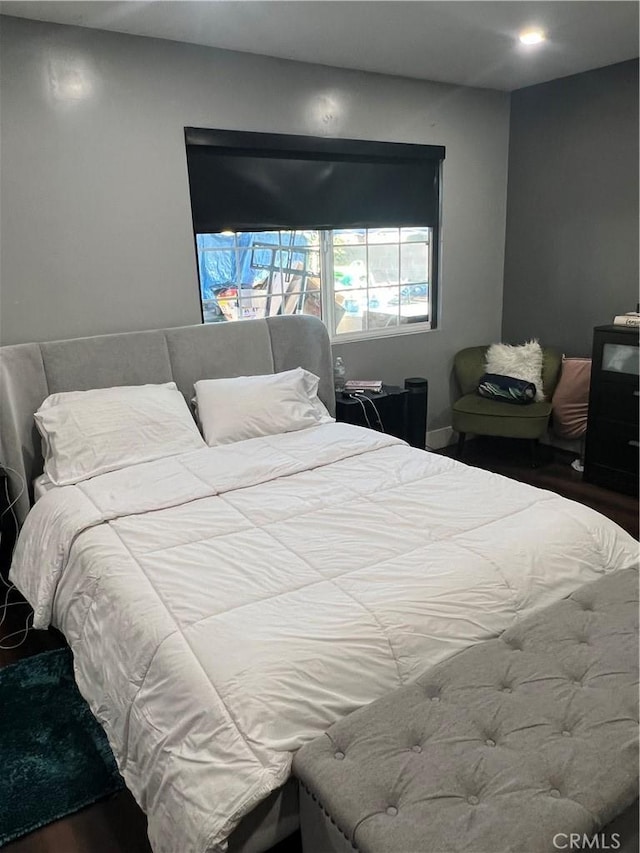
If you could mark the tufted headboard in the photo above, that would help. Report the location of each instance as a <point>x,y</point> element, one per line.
<point>30,372</point>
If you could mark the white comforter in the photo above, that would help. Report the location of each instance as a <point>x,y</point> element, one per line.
<point>227,605</point>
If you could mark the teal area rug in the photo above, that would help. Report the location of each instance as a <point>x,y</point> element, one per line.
<point>54,755</point>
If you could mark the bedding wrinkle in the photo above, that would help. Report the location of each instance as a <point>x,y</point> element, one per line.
<point>294,460</point>
<point>186,641</point>
<point>124,755</point>
<point>500,574</point>
<point>165,549</point>
<point>592,531</point>
<point>401,678</point>
<point>266,598</point>
<point>93,590</point>
<point>480,524</point>
<point>419,547</point>
<point>360,604</point>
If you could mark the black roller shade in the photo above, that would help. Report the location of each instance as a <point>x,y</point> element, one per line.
<point>261,182</point>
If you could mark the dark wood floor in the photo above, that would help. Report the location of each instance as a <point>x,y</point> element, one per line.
<point>116,825</point>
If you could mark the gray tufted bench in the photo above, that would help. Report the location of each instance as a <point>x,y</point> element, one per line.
<point>510,745</point>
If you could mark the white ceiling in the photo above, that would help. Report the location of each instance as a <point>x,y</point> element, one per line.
<point>469,43</point>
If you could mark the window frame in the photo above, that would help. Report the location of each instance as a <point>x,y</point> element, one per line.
<point>327,290</point>
<point>237,143</point>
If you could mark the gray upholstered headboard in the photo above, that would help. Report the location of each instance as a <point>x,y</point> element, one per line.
<point>30,372</point>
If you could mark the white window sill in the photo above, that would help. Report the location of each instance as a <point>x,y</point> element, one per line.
<point>387,332</point>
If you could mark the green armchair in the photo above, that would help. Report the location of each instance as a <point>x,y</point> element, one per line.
<point>479,416</point>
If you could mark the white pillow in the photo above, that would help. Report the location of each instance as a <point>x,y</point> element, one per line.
<point>520,362</point>
<point>250,406</point>
<point>85,433</point>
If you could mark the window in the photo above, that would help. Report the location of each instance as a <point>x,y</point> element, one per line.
<point>342,229</point>
<point>361,282</point>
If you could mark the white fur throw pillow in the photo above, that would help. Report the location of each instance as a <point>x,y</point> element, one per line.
<point>523,362</point>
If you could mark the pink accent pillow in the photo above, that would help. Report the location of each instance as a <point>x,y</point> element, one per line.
<point>571,398</point>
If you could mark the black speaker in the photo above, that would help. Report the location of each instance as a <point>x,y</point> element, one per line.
<point>418,389</point>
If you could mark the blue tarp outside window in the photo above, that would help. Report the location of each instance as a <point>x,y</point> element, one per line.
<point>235,260</point>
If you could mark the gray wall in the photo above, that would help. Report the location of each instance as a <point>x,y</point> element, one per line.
<point>95,215</point>
<point>572,213</point>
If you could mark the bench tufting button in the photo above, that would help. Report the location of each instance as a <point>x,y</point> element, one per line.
<point>490,741</point>
<point>435,698</point>
<point>506,690</point>
<point>577,683</point>
<point>417,748</point>
<point>566,733</point>
<point>473,800</point>
<point>339,755</point>
<point>392,811</point>
<point>554,792</point>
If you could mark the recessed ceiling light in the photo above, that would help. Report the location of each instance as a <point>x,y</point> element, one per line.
<point>532,36</point>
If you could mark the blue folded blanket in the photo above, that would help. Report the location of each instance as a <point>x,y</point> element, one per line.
<point>506,389</point>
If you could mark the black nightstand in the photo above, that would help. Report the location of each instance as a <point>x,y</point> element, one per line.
<point>391,404</point>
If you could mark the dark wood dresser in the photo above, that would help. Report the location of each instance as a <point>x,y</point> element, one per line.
<point>611,451</point>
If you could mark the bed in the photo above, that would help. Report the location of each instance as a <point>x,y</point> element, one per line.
<point>226,605</point>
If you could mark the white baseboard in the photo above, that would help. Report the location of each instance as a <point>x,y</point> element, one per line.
<point>439,438</point>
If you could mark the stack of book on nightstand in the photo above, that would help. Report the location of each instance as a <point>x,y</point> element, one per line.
<point>631,318</point>
<point>353,386</point>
